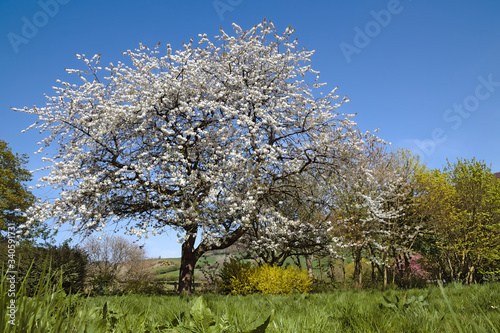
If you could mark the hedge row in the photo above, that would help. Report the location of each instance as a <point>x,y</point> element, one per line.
<point>69,262</point>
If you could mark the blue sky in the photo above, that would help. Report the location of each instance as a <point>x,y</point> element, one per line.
<point>426,72</point>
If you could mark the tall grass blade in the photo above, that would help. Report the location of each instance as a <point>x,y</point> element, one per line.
<point>450,308</point>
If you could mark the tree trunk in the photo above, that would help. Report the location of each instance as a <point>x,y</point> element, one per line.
<point>374,266</point>
<point>296,261</point>
<point>374,276</point>
<point>384,265</point>
<point>407,270</point>
<point>452,274</point>
<point>309,264</point>
<point>189,257</point>
<point>190,254</point>
<point>470,275</point>
<point>331,268</point>
<point>320,269</point>
<point>385,277</point>
<point>343,269</point>
<point>358,270</point>
<point>395,266</point>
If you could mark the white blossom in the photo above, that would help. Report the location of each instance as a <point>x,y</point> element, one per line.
<point>196,138</point>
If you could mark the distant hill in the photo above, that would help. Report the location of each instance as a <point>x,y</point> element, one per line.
<point>232,250</point>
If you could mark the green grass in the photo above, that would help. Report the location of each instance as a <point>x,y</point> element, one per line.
<point>455,308</point>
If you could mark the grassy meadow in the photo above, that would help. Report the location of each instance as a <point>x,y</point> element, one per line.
<point>454,308</point>
<point>460,309</point>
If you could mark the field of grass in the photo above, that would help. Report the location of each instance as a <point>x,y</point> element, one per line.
<point>455,308</point>
<point>465,309</point>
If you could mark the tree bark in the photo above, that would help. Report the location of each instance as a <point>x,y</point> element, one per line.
<point>309,264</point>
<point>407,270</point>
<point>331,268</point>
<point>470,275</point>
<point>358,271</point>
<point>189,257</point>
<point>452,274</point>
<point>343,269</point>
<point>320,269</point>
<point>384,265</point>
<point>374,266</point>
<point>374,276</point>
<point>296,261</point>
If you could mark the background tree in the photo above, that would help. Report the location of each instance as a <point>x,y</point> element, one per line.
<point>112,259</point>
<point>476,236</point>
<point>15,198</point>
<point>351,195</point>
<point>462,206</point>
<point>306,230</point>
<point>392,210</point>
<point>435,203</point>
<point>374,201</point>
<point>198,139</point>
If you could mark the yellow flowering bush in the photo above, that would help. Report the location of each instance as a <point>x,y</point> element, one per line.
<point>234,277</point>
<point>270,280</point>
<point>243,285</point>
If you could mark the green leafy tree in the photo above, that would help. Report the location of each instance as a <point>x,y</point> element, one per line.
<point>461,205</point>
<point>434,207</point>
<point>476,236</point>
<point>15,197</point>
<point>45,264</point>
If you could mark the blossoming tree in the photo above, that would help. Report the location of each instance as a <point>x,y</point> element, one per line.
<point>375,207</point>
<point>196,139</point>
<point>303,228</point>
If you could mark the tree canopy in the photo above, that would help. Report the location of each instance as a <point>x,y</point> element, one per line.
<point>15,198</point>
<point>201,139</point>
<point>461,207</point>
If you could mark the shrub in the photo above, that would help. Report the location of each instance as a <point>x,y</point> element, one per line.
<point>101,283</point>
<point>323,286</point>
<point>273,280</point>
<point>413,276</point>
<point>211,273</point>
<point>234,276</point>
<point>240,278</point>
<point>71,261</point>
